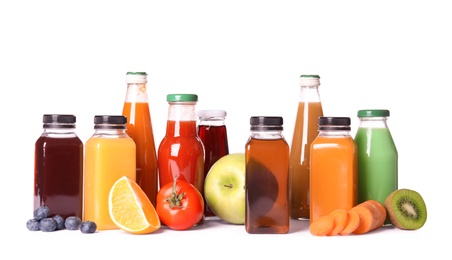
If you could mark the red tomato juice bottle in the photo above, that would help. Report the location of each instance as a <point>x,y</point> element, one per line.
<point>58,167</point>
<point>181,152</point>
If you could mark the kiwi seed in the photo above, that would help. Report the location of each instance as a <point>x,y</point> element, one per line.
<point>406,209</point>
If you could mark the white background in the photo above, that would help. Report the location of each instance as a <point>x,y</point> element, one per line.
<point>244,57</point>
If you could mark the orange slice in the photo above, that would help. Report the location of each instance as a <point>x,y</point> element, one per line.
<point>130,208</point>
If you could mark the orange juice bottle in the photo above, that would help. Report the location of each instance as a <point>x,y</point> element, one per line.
<point>334,168</point>
<point>139,128</point>
<point>305,131</point>
<point>110,154</point>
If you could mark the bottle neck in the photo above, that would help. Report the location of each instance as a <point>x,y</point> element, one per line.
<point>373,122</point>
<point>309,94</point>
<point>334,133</point>
<point>110,133</point>
<point>267,134</point>
<point>136,92</point>
<point>65,132</point>
<point>181,119</point>
<point>212,121</point>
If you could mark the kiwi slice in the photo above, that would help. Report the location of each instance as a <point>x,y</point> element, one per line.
<point>406,209</point>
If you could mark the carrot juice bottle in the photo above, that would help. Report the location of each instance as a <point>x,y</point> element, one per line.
<point>181,152</point>
<point>213,134</point>
<point>334,167</point>
<point>139,128</point>
<point>267,178</point>
<point>58,174</point>
<point>305,131</point>
<point>110,154</point>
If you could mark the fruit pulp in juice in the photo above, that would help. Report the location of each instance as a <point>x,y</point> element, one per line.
<point>139,128</point>
<point>305,131</point>
<point>377,164</point>
<point>334,175</point>
<point>58,176</point>
<point>215,141</point>
<point>181,155</point>
<point>106,160</point>
<point>267,194</point>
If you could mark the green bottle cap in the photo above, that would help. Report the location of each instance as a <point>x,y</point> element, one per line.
<point>373,113</point>
<point>182,98</point>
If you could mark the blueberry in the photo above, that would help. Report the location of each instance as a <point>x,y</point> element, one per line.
<point>41,212</point>
<point>47,224</point>
<point>72,223</point>
<point>33,224</point>
<point>60,221</point>
<point>88,227</point>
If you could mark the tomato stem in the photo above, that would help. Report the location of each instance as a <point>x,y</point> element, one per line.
<point>175,199</point>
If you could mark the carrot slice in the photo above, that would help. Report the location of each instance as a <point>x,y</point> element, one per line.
<point>322,225</point>
<point>352,223</point>
<point>340,218</point>
<point>372,215</point>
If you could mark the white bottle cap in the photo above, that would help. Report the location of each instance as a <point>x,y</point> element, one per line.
<point>136,77</point>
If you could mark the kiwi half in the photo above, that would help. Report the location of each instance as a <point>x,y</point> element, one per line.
<point>406,209</point>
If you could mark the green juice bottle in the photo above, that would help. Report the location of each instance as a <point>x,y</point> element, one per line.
<point>377,156</point>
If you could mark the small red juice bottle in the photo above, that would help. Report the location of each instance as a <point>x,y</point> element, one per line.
<point>213,134</point>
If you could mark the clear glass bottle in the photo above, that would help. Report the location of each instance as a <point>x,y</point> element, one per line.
<point>109,155</point>
<point>305,131</point>
<point>213,134</point>
<point>58,167</point>
<point>334,168</point>
<point>181,152</point>
<point>267,178</point>
<point>377,156</point>
<point>139,128</point>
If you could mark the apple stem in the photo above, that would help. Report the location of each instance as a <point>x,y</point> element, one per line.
<point>228,186</point>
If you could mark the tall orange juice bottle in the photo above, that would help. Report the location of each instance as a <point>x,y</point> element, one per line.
<point>334,167</point>
<point>305,131</point>
<point>139,128</point>
<point>110,154</point>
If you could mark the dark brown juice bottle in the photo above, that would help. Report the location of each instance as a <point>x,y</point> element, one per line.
<point>58,169</point>
<point>267,178</point>
<point>213,134</point>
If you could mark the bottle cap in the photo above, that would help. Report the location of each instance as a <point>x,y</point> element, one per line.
<point>136,77</point>
<point>211,113</point>
<point>181,97</point>
<point>57,118</point>
<point>373,113</point>
<point>310,80</point>
<point>103,119</point>
<point>334,123</point>
<point>266,123</point>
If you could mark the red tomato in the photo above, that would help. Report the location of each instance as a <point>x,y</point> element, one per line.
<point>179,205</point>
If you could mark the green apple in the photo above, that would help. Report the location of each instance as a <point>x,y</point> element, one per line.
<point>224,188</point>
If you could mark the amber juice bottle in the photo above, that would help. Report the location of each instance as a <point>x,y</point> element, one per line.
<point>267,177</point>
<point>305,131</point>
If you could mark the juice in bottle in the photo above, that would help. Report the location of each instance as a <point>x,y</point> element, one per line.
<point>58,167</point>
<point>334,168</point>
<point>305,131</point>
<point>181,152</point>
<point>110,154</point>
<point>213,134</point>
<point>377,156</point>
<point>267,178</point>
<point>139,128</point>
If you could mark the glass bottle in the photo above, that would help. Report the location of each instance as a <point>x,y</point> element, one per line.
<point>181,152</point>
<point>213,134</point>
<point>377,156</point>
<point>267,178</point>
<point>139,128</point>
<point>334,168</point>
<point>305,131</point>
<point>58,167</point>
<point>109,154</point>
